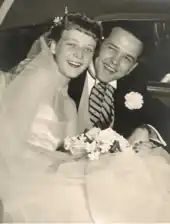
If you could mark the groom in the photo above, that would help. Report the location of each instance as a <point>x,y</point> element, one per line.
<point>117,57</point>
<point>116,60</point>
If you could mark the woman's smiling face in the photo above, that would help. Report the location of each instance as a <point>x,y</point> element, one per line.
<point>74,52</point>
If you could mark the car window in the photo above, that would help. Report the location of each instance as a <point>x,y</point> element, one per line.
<point>15,44</point>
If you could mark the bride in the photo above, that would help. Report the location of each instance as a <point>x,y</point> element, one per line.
<point>36,107</point>
<point>36,114</point>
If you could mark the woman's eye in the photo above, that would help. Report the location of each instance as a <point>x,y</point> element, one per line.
<point>71,44</point>
<point>88,50</point>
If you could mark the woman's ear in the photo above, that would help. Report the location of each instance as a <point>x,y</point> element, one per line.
<point>53,47</point>
<point>132,68</point>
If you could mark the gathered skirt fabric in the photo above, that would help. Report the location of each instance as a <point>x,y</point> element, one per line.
<point>120,187</point>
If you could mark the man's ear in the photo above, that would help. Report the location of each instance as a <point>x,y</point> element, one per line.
<point>53,47</point>
<point>132,68</point>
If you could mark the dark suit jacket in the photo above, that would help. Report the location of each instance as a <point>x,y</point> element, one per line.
<point>76,88</point>
<point>153,111</point>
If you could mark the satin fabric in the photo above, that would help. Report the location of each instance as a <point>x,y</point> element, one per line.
<point>122,187</point>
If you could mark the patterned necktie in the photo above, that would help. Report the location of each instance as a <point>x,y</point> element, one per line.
<point>101,105</point>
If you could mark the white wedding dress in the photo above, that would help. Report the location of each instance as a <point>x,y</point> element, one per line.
<point>40,185</point>
<point>125,187</point>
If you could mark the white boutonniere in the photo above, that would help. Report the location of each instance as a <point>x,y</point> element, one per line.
<point>133,100</point>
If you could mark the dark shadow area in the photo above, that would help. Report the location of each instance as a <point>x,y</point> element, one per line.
<point>15,44</point>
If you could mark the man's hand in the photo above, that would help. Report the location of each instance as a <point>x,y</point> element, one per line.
<point>139,135</point>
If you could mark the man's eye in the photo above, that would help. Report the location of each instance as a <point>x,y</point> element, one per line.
<point>110,47</point>
<point>130,60</point>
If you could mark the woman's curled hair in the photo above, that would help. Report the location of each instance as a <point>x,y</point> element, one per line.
<point>79,22</point>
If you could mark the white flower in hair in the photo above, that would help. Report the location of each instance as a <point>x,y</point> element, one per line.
<point>57,20</point>
<point>134,100</point>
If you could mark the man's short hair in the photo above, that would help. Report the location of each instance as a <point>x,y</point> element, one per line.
<point>114,30</point>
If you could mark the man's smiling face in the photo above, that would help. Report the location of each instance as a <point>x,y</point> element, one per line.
<point>74,52</point>
<point>118,55</point>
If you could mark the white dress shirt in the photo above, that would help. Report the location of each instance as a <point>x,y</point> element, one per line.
<point>91,82</point>
<point>83,113</point>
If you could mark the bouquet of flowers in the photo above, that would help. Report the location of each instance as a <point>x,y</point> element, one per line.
<point>94,142</point>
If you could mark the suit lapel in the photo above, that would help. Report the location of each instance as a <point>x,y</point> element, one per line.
<point>76,88</point>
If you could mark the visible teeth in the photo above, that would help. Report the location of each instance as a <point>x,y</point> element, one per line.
<point>110,68</point>
<point>74,63</point>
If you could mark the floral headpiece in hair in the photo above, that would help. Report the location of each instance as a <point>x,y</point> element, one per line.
<point>59,19</point>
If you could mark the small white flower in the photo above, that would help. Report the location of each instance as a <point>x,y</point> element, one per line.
<point>106,135</point>
<point>68,142</point>
<point>94,155</point>
<point>78,147</point>
<point>90,147</point>
<point>93,133</point>
<point>82,138</point>
<point>57,20</point>
<point>105,147</point>
<point>133,100</point>
<point>106,138</point>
